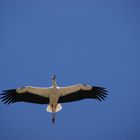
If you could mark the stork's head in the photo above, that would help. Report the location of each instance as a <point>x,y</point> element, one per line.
<point>54,77</point>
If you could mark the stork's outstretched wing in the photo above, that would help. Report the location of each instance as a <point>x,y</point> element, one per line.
<point>26,94</point>
<point>80,92</point>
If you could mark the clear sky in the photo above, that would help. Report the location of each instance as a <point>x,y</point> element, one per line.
<point>93,42</point>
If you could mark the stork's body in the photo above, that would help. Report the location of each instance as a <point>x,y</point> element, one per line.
<point>53,95</point>
<point>53,99</point>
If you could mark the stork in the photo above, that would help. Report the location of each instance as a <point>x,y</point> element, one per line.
<point>53,95</point>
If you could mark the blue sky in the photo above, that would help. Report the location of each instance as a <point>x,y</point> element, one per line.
<point>93,42</point>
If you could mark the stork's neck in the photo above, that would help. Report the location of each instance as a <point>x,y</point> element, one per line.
<point>54,84</point>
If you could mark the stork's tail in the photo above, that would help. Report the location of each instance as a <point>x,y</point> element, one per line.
<point>57,109</point>
<point>53,110</point>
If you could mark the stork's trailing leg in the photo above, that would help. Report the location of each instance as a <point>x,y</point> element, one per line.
<point>53,109</point>
<point>53,117</point>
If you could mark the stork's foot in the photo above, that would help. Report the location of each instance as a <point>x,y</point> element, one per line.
<point>53,118</point>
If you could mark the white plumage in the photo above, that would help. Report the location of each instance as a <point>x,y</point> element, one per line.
<point>53,95</point>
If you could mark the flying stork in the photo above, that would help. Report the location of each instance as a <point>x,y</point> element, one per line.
<point>53,95</point>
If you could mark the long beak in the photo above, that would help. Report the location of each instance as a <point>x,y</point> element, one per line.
<point>54,77</point>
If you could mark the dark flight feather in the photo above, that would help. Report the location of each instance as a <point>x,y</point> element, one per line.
<point>11,96</point>
<point>98,93</point>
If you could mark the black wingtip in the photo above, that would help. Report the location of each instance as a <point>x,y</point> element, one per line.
<point>101,93</point>
<point>8,91</point>
<point>6,96</point>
